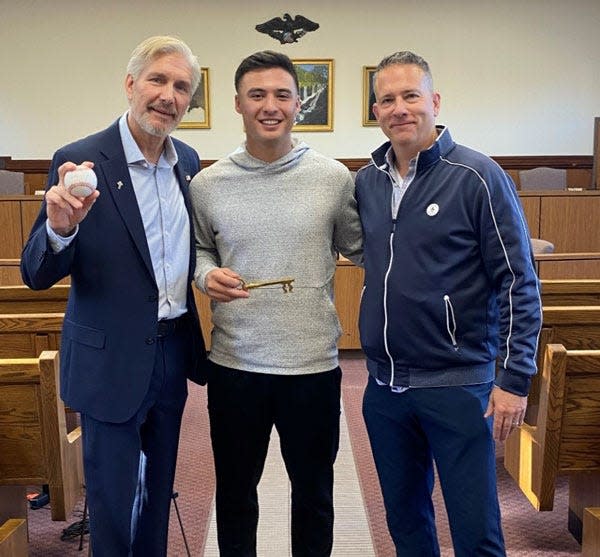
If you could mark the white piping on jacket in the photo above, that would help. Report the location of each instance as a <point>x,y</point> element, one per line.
<point>385,312</point>
<point>450,327</point>
<point>514,278</point>
<point>385,281</point>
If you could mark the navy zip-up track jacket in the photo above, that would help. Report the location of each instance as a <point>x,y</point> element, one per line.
<point>450,283</point>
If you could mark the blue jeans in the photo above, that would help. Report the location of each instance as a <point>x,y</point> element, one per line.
<point>409,431</point>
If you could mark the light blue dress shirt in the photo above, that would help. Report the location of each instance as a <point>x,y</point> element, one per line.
<point>165,220</point>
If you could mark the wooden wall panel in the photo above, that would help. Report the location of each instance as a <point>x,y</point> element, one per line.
<point>571,223</point>
<point>10,217</point>
<point>34,182</point>
<point>29,212</point>
<point>347,288</point>
<point>531,208</point>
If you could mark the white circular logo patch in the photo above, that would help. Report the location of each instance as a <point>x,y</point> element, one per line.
<point>433,209</point>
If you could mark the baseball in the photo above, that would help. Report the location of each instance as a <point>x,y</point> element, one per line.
<point>80,182</point>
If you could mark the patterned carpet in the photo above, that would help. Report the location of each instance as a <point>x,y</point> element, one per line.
<point>527,532</point>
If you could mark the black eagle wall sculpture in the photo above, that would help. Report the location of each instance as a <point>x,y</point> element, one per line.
<point>287,30</point>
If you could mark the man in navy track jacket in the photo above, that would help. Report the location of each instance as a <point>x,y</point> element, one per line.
<point>449,321</point>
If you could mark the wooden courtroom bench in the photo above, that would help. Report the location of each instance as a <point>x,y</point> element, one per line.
<point>13,538</point>
<point>566,438</point>
<point>576,327</point>
<point>591,532</point>
<point>27,335</point>
<point>35,446</point>
<point>568,265</point>
<point>10,272</point>
<point>568,292</point>
<point>21,299</point>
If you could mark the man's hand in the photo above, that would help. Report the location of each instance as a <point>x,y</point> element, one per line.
<point>224,285</point>
<point>508,411</point>
<point>64,210</point>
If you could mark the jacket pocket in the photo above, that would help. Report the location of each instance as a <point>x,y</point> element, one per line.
<point>450,321</point>
<point>89,336</point>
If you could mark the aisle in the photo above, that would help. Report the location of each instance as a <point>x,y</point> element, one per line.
<point>351,529</point>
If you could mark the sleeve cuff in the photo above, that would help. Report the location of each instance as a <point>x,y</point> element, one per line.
<point>59,243</point>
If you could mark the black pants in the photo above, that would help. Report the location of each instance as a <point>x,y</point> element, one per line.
<point>243,407</point>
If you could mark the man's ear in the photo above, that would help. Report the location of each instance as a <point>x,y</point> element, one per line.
<point>129,86</point>
<point>238,109</point>
<point>376,111</point>
<point>437,99</point>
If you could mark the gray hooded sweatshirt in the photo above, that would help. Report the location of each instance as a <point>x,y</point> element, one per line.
<point>287,218</point>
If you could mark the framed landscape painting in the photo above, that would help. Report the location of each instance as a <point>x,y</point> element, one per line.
<point>315,78</point>
<point>368,96</point>
<point>198,113</point>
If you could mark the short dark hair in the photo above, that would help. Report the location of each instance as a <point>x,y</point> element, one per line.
<point>265,60</point>
<point>408,58</point>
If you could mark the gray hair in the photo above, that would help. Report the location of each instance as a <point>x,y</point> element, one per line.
<point>153,47</point>
<point>407,58</point>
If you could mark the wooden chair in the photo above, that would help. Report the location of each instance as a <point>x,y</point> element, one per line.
<point>543,178</point>
<point>35,446</point>
<point>12,183</point>
<point>21,299</point>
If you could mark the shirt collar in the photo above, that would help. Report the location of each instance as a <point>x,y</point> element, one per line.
<point>133,154</point>
<point>390,157</point>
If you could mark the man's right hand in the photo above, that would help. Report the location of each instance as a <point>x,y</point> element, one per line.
<point>64,210</point>
<point>224,285</point>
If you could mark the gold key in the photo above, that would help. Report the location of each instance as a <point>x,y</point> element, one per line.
<point>285,282</point>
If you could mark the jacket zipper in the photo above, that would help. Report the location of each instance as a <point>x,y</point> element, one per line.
<point>450,321</point>
<point>385,312</point>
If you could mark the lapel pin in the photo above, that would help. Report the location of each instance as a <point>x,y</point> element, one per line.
<point>188,177</point>
<point>119,185</point>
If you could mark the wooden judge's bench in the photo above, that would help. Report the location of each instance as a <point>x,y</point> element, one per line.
<point>568,219</point>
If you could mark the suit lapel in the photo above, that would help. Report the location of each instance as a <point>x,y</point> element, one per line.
<point>118,183</point>
<point>184,177</point>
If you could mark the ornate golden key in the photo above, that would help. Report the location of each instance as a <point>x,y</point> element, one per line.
<point>285,282</point>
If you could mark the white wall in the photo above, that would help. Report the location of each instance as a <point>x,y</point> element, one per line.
<point>516,77</point>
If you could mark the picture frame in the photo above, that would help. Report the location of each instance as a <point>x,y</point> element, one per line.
<point>315,77</point>
<point>368,117</point>
<point>197,115</point>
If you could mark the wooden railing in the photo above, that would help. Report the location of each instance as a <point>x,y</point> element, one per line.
<point>579,167</point>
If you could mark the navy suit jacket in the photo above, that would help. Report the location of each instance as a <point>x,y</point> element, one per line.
<point>109,333</point>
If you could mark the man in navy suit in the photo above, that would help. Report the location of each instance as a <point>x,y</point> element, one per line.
<point>131,334</point>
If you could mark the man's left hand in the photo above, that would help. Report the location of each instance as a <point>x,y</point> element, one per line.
<point>508,411</point>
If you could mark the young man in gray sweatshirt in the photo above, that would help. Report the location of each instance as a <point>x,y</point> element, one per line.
<point>273,208</point>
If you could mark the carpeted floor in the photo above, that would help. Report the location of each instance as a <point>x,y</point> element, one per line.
<point>527,532</point>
